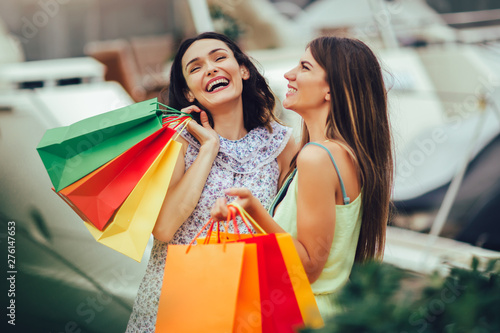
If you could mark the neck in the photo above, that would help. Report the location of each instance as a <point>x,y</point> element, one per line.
<point>316,125</point>
<point>228,121</point>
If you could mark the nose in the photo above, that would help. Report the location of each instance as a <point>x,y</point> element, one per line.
<point>290,75</point>
<point>211,69</point>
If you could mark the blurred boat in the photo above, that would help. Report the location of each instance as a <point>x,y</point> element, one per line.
<point>444,100</point>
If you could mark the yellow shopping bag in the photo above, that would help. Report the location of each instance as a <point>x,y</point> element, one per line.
<point>301,286</point>
<point>131,227</point>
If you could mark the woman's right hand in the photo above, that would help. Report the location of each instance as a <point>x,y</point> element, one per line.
<point>244,198</point>
<point>204,133</point>
<point>248,202</point>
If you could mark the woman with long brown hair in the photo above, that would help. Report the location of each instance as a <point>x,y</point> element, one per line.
<point>335,202</point>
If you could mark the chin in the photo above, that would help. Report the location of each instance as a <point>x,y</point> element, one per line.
<point>288,106</point>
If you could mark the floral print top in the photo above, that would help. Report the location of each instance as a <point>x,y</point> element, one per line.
<point>249,162</point>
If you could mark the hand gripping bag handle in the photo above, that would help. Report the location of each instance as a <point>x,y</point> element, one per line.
<point>247,218</point>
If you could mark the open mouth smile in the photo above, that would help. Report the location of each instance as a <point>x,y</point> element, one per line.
<point>291,90</point>
<point>217,83</point>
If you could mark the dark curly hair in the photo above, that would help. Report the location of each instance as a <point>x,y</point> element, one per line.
<point>258,99</point>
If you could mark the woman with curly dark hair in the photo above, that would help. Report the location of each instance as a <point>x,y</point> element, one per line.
<point>235,142</point>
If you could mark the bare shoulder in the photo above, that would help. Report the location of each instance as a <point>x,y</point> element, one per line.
<point>315,153</point>
<point>316,172</point>
<point>315,158</point>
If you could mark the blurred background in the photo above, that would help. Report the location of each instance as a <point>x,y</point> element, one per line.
<point>65,60</point>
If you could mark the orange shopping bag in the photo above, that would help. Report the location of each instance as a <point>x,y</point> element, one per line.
<point>210,288</point>
<point>248,309</point>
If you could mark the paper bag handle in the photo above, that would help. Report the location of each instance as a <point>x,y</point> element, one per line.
<point>245,217</point>
<point>234,210</point>
<point>210,225</point>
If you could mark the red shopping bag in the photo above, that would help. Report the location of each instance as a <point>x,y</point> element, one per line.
<point>279,308</point>
<point>97,196</point>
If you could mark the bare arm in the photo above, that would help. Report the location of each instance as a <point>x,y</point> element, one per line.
<point>318,185</point>
<point>185,187</point>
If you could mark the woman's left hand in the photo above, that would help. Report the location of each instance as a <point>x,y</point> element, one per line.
<point>219,210</point>
<point>251,204</point>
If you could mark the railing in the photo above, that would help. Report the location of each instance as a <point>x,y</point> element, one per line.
<point>474,18</point>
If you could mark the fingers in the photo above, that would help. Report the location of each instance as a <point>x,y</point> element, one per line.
<point>204,120</point>
<point>219,210</point>
<point>203,115</point>
<point>192,108</point>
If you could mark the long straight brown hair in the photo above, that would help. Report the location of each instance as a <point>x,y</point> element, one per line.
<point>359,120</point>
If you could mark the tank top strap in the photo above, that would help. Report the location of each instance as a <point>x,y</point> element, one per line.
<point>347,200</point>
<point>282,192</point>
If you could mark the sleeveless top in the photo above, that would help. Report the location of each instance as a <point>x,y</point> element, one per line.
<point>249,162</point>
<point>342,252</point>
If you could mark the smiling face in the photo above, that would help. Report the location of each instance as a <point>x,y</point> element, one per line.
<point>307,86</point>
<point>212,74</point>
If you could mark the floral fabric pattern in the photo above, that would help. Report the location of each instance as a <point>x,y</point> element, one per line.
<point>249,162</point>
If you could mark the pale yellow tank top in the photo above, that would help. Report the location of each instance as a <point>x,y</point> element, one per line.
<point>341,258</point>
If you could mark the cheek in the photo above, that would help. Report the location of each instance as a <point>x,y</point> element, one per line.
<point>239,85</point>
<point>315,89</point>
<point>311,96</point>
<point>189,85</point>
<point>193,81</point>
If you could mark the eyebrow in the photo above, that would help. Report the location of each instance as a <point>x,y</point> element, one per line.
<point>306,62</point>
<point>209,53</point>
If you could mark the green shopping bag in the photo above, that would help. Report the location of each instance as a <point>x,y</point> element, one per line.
<point>71,152</point>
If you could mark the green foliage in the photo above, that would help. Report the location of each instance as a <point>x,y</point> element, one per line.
<point>224,23</point>
<point>383,298</point>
